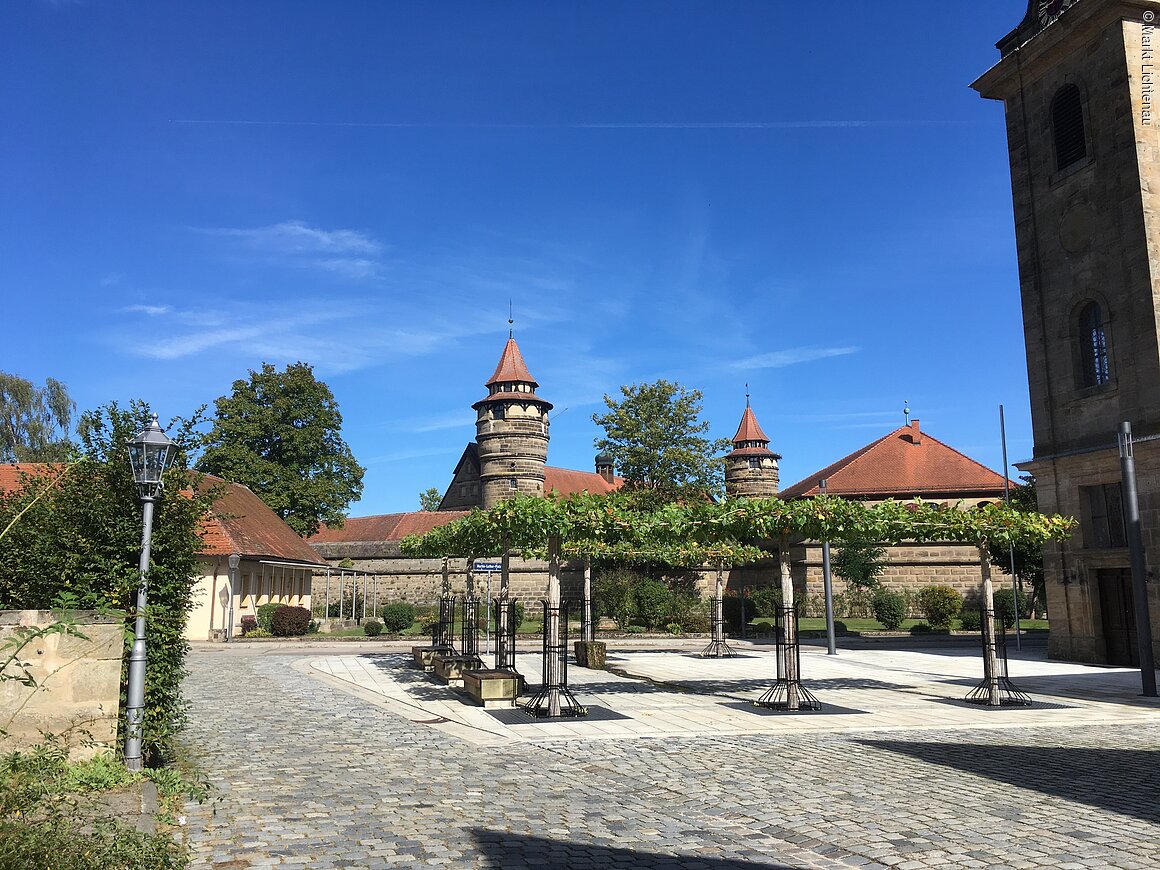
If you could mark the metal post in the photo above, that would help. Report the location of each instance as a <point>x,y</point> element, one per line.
<point>487,618</point>
<point>1007,501</point>
<point>827,580</point>
<point>1136,556</point>
<point>235,561</point>
<point>135,699</point>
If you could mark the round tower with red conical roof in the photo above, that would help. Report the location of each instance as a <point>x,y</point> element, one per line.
<point>511,431</point>
<point>751,467</point>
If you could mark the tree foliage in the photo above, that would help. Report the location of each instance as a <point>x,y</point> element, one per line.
<point>76,529</point>
<point>34,421</point>
<point>429,499</point>
<point>1028,557</point>
<point>696,533</point>
<point>655,437</point>
<point>860,564</point>
<point>279,433</point>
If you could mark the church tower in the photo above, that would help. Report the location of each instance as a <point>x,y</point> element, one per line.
<point>511,429</point>
<point>751,467</point>
<point>1077,79</point>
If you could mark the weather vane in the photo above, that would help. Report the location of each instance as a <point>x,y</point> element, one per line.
<point>511,333</point>
<point>906,411</point>
<point>747,395</point>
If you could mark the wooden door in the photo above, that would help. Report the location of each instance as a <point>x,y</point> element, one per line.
<point>1118,616</point>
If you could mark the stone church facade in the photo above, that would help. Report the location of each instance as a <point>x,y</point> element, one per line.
<point>1077,80</point>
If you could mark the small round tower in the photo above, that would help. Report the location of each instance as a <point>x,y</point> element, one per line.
<point>751,467</point>
<point>511,431</point>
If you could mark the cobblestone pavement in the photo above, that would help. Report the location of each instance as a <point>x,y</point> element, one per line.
<point>312,776</point>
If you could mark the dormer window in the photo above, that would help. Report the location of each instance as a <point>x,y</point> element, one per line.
<point>1067,127</point>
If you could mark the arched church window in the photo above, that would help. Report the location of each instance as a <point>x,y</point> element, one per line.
<point>1093,346</point>
<point>1067,127</point>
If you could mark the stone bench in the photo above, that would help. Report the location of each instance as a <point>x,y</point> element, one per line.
<point>450,668</point>
<point>490,688</point>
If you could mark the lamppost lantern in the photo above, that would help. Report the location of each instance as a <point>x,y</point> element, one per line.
<point>150,453</point>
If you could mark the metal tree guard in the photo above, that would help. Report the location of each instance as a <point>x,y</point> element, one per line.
<point>554,698</point>
<point>469,633</point>
<point>788,693</point>
<point>717,647</point>
<point>996,689</point>
<point>505,637</point>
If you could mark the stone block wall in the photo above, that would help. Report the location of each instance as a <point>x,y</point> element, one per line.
<point>78,684</point>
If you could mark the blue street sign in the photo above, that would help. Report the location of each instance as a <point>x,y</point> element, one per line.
<point>488,566</point>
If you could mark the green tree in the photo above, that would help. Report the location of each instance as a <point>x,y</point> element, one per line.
<point>655,436</point>
<point>1028,557</point>
<point>860,564</point>
<point>76,529</point>
<point>279,434</point>
<point>429,499</point>
<point>34,421</point>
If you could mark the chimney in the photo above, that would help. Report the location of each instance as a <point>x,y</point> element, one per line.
<point>915,434</point>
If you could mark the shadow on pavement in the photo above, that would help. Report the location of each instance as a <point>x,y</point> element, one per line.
<point>506,850</point>
<point>1118,780</point>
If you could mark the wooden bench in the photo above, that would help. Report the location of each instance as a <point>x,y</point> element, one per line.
<point>490,688</point>
<point>425,656</point>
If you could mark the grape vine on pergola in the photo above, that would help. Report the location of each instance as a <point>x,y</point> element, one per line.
<point>706,534</point>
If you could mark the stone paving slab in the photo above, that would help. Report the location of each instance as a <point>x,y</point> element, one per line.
<point>350,765</point>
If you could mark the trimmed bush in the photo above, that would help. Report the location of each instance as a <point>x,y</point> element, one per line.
<point>290,621</point>
<point>1005,606</point>
<point>939,604</point>
<point>889,608</point>
<point>519,620</point>
<point>249,625</point>
<point>398,616</point>
<point>763,601</point>
<point>691,611</point>
<point>673,628</point>
<point>840,627</point>
<point>372,628</point>
<point>971,619</point>
<point>266,616</point>
<point>653,600</point>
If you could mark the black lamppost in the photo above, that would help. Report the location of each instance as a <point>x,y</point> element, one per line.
<point>149,455</point>
<point>235,561</point>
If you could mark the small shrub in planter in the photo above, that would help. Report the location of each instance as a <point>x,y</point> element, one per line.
<point>398,616</point>
<point>249,625</point>
<point>266,616</point>
<point>889,608</point>
<point>290,621</point>
<point>971,619</point>
<point>939,604</point>
<point>372,628</point>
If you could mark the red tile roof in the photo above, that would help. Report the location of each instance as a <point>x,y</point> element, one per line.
<point>385,527</point>
<point>240,523</point>
<point>511,366</point>
<point>750,429</point>
<point>905,463</point>
<point>12,476</point>
<point>565,481</point>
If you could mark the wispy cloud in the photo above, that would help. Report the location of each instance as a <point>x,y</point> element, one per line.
<point>450,420</point>
<point>405,455</point>
<point>793,356</point>
<point>151,310</point>
<point>349,253</point>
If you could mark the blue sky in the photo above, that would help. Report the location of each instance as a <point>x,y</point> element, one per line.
<point>805,198</point>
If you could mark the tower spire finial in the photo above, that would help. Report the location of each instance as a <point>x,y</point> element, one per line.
<point>906,412</point>
<point>511,331</point>
<point>747,395</point>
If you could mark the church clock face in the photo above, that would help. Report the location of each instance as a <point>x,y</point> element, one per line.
<point>1049,10</point>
